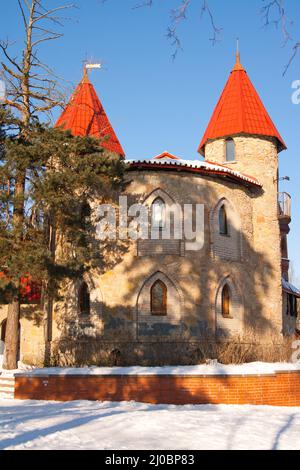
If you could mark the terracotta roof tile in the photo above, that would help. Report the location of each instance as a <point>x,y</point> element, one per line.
<point>84,116</point>
<point>240,111</point>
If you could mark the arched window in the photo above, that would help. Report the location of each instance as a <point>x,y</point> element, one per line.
<point>223,222</point>
<point>158,214</point>
<point>230,150</point>
<point>159,298</point>
<point>226,301</point>
<point>84,299</point>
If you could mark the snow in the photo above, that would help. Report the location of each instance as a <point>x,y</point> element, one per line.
<point>195,164</point>
<point>2,347</point>
<point>212,368</point>
<point>131,426</point>
<point>9,373</point>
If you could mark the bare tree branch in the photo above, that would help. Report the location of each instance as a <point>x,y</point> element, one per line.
<point>26,90</point>
<point>23,13</point>
<point>4,46</point>
<point>178,15</point>
<point>274,13</point>
<point>295,52</point>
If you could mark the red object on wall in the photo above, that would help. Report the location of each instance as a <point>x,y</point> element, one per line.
<point>84,116</point>
<point>240,111</point>
<point>30,290</point>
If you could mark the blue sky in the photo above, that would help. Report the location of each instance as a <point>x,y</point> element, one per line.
<point>156,104</point>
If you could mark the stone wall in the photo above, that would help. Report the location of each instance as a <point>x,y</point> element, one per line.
<point>196,275</point>
<point>257,156</point>
<point>249,260</point>
<point>32,340</point>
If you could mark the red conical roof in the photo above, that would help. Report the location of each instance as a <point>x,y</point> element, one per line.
<point>84,116</point>
<point>240,111</point>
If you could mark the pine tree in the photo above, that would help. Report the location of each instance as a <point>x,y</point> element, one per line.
<point>46,177</point>
<point>63,175</point>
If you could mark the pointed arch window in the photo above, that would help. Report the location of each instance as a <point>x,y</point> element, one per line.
<point>84,299</point>
<point>158,214</point>
<point>223,221</point>
<point>230,150</point>
<point>159,294</point>
<point>226,301</point>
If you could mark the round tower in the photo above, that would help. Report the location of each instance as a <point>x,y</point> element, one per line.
<point>242,136</point>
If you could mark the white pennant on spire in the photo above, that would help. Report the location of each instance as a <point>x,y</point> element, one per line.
<point>93,66</point>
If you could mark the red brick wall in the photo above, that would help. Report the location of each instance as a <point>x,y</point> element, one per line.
<point>280,389</point>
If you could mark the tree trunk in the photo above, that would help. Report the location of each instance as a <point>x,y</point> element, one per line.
<point>13,315</point>
<point>49,297</point>
<point>12,332</point>
<point>32,96</point>
<point>12,336</point>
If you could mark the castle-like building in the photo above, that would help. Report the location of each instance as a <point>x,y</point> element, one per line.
<point>158,300</point>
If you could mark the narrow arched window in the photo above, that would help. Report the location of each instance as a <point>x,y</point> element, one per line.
<point>226,301</point>
<point>230,150</point>
<point>84,299</point>
<point>158,214</point>
<point>223,221</point>
<point>159,298</point>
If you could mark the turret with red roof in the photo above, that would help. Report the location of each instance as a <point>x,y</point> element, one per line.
<point>84,115</point>
<point>240,111</point>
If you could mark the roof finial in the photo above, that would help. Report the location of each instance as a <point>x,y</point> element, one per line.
<point>238,56</point>
<point>238,65</point>
<point>85,74</point>
<point>85,78</point>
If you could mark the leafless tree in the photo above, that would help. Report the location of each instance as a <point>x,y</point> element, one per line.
<point>179,14</point>
<point>31,85</point>
<point>31,90</point>
<point>273,13</point>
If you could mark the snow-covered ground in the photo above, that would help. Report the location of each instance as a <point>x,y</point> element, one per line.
<point>135,426</point>
<point>211,368</point>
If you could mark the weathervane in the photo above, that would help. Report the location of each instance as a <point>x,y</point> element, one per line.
<point>89,65</point>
